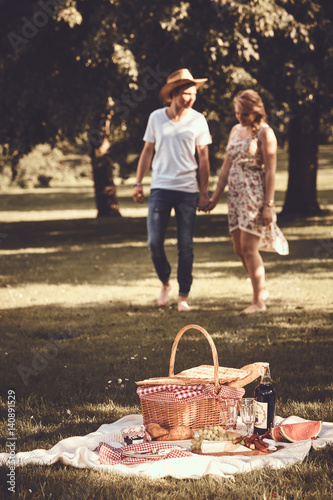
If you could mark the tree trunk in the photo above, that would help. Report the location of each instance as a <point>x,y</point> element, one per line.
<point>301,196</point>
<point>14,163</point>
<point>105,189</point>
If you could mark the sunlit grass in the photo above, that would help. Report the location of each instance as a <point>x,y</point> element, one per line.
<point>78,199</point>
<point>85,290</point>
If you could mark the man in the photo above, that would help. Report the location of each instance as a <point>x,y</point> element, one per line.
<point>173,135</point>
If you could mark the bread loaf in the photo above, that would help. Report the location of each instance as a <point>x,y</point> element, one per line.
<point>155,430</point>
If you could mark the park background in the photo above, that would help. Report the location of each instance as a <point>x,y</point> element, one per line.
<point>79,323</point>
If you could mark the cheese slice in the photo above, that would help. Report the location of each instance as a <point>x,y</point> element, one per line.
<point>221,446</point>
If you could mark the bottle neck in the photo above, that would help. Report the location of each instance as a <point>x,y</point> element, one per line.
<point>266,376</point>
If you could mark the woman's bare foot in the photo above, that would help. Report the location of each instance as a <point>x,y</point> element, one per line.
<point>164,295</point>
<point>254,308</point>
<point>183,305</point>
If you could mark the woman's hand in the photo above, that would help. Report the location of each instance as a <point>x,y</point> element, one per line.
<point>221,184</point>
<point>212,203</point>
<point>267,215</point>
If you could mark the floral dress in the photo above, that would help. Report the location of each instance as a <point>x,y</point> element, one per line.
<point>246,196</point>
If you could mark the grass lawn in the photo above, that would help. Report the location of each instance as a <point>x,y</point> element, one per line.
<point>88,287</point>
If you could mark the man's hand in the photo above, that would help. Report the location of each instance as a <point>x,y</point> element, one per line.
<point>138,196</point>
<point>203,201</point>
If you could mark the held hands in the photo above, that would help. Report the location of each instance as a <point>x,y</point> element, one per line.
<point>203,202</point>
<point>209,203</point>
<point>209,207</point>
<point>212,204</point>
<point>217,194</point>
<point>138,196</point>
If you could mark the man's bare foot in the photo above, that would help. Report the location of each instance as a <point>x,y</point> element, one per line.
<point>183,306</point>
<point>254,308</point>
<point>164,295</point>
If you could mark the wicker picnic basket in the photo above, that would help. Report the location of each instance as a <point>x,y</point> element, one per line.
<point>207,411</point>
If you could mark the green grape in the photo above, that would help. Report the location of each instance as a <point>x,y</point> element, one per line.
<point>196,444</point>
<point>209,433</point>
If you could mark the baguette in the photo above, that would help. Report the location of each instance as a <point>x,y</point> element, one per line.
<point>254,372</point>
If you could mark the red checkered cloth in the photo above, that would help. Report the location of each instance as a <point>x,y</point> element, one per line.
<point>180,391</point>
<point>188,393</point>
<point>113,456</point>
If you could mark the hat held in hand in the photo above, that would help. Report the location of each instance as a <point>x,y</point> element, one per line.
<point>176,79</point>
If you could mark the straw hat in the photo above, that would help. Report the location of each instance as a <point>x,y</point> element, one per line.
<point>177,78</point>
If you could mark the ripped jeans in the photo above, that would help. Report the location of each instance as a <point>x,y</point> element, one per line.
<point>161,201</point>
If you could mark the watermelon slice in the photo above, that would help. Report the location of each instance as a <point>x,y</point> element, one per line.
<point>275,433</point>
<point>297,432</point>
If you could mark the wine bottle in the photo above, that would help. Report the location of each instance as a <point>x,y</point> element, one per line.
<point>264,396</point>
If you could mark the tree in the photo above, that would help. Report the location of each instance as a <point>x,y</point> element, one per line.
<point>86,59</point>
<point>105,189</point>
<point>302,66</point>
<point>309,103</point>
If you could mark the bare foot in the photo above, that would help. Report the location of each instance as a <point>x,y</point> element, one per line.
<point>164,295</point>
<point>254,308</point>
<point>183,306</point>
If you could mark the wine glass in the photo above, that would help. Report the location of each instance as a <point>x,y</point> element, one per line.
<point>247,414</point>
<point>230,412</point>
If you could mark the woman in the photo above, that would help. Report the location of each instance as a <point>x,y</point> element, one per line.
<point>249,170</point>
<point>173,136</point>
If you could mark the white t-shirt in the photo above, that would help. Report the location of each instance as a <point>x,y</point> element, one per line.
<point>174,165</point>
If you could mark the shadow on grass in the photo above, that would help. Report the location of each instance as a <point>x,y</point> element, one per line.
<point>70,198</point>
<point>55,233</point>
<point>63,355</point>
<point>107,258</point>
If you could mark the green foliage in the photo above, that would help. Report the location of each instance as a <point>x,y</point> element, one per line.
<point>45,166</point>
<point>63,67</point>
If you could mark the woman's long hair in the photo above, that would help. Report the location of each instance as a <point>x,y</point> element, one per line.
<point>251,101</point>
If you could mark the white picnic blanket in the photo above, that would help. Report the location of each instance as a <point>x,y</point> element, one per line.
<point>78,452</point>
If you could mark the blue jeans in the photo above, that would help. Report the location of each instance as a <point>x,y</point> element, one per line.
<point>161,201</point>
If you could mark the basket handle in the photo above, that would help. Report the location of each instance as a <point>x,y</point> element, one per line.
<point>212,346</point>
